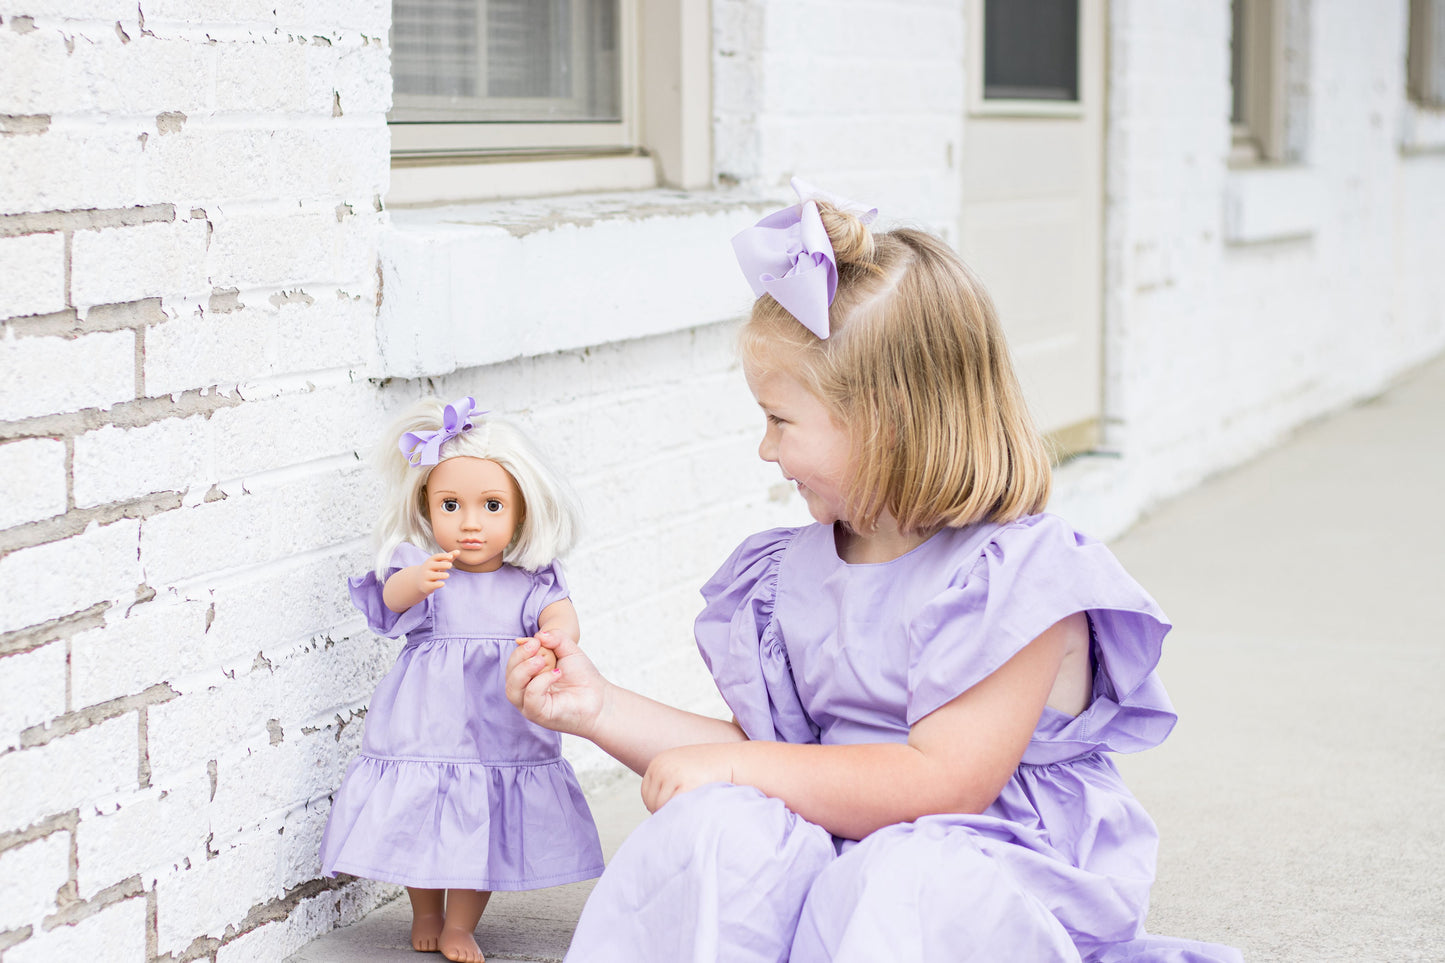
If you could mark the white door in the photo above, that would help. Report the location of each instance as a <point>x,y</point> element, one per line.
<point>1031,216</point>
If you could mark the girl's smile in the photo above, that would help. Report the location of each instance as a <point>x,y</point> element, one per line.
<point>813,451</point>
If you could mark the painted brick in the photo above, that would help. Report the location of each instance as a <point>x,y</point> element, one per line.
<point>113,464</point>
<point>58,578</point>
<point>32,274</point>
<point>246,870</point>
<point>160,641</point>
<point>257,341</point>
<point>32,691</point>
<point>40,172</point>
<point>104,10</point>
<point>34,470</point>
<point>246,530</point>
<point>359,73</point>
<point>30,875</point>
<point>267,77</point>
<point>115,933</point>
<point>30,388</point>
<point>218,714</point>
<point>103,263</point>
<point>149,833</point>
<point>272,779</point>
<point>278,940</point>
<point>161,74</point>
<point>311,250</point>
<point>69,772</point>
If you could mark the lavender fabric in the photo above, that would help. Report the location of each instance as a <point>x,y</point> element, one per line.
<point>807,648</point>
<point>453,788</point>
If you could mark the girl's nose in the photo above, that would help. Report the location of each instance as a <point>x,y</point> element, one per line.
<point>768,448</point>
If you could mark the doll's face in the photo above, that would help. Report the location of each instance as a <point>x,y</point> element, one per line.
<point>474,507</point>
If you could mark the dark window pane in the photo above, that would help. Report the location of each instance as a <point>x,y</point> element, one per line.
<point>1031,50</point>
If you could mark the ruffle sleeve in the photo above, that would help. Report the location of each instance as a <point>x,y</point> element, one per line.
<point>366,596</point>
<point>740,643</point>
<point>1030,574</point>
<point>548,585</point>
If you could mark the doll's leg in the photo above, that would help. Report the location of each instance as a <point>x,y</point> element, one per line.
<point>458,938</point>
<point>427,917</point>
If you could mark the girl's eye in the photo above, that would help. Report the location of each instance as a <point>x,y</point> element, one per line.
<point>449,504</point>
<point>493,505</point>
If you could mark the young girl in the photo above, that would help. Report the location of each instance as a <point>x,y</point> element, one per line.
<point>454,794</point>
<point>925,683</point>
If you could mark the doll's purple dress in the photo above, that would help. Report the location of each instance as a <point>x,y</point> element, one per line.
<point>453,788</point>
<point>806,648</point>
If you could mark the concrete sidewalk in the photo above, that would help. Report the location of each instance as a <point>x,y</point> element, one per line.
<point>1297,799</point>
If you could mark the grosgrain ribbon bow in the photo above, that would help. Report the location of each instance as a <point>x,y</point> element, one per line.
<point>422,449</point>
<point>788,255</point>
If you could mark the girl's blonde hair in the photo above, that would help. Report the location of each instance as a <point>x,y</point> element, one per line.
<point>916,369</point>
<point>550,519</point>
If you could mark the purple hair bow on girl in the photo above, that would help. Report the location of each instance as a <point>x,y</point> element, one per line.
<point>788,255</point>
<point>423,449</point>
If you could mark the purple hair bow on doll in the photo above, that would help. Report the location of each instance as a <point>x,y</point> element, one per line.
<point>788,255</point>
<point>423,449</point>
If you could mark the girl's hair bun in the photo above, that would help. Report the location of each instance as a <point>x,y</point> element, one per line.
<point>852,241</point>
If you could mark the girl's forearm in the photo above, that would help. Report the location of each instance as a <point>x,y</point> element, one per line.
<point>633,728</point>
<point>853,790</point>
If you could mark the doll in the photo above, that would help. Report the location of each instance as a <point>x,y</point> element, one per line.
<point>454,794</point>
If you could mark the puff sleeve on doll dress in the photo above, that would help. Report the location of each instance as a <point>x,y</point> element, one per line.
<point>453,788</point>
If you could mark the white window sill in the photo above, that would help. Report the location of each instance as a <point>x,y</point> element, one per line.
<point>476,284</point>
<point>1271,203</point>
<point>458,181</point>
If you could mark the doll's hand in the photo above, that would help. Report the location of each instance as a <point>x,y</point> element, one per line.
<point>686,767</point>
<point>431,574</point>
<point>567,698</point>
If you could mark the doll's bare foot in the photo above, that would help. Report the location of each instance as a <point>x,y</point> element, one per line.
<point>460,946</point>
<point>427,918</point>
<point>426,933</point>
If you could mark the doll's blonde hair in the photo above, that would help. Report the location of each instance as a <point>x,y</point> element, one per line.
<point>550,519</point>
<point>917,371</point>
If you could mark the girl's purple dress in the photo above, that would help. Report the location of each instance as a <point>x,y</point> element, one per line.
<point>808,649</point>
<point>452,787</point>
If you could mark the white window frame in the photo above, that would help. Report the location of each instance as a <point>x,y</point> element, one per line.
<point>663,139</point>
<point>1259,133</point>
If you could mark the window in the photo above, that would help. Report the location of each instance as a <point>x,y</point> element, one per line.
<point>1031,50</point>
<point>1026,58</point>
<point>506,98</point>
<point>503,76</point>
<point>1425,61</point>
<point>1256,112</point>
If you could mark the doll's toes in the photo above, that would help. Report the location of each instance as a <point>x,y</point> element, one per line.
<point>461,946</point>
<point>426,933</point>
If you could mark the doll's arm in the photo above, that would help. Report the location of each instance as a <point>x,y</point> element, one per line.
<point>956,760</point>
<point>560,618</point>
<point>408,586</point>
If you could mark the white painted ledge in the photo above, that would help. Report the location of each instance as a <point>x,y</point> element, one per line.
<point>1422,130</point>
<point>1271,204</point>
<point>477,284</point>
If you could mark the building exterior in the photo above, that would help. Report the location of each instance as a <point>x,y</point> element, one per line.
<point>221,268</point>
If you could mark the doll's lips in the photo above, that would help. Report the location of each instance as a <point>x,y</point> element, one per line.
<point>471,543</point>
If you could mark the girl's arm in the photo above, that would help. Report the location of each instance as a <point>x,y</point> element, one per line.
<point>408,586</point>
<point>957,758</point>
<point>575,698</point>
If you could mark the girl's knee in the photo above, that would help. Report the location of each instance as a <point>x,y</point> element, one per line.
<point>739,825</point>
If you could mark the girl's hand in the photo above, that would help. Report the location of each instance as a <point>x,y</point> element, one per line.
<point>558,688</point>
<point>433,573</point>
<point>687,767</point>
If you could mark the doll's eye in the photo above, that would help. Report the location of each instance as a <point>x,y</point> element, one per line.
<point>493,505</point>
<point>449,504</point>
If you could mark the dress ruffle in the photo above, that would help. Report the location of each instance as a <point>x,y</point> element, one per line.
<point>1030,574</point>
<point>740,644</point>
<point>447,817</point>
<point>366,595</point>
